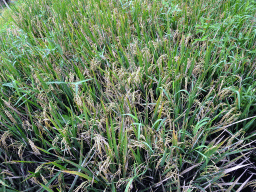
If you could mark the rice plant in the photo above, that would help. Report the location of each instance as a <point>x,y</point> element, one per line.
<point>128,95</point>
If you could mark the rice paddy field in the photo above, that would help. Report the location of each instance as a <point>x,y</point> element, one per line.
<point>128,95</point>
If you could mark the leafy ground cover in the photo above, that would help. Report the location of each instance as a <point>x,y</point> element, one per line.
<point>128,95</point>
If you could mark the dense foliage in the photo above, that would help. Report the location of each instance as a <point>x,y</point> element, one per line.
<point>128,95</point>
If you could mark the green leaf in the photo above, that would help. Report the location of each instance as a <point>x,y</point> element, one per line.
<point>128,185</point>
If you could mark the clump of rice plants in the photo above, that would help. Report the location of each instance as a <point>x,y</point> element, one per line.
<point>128,95</point>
